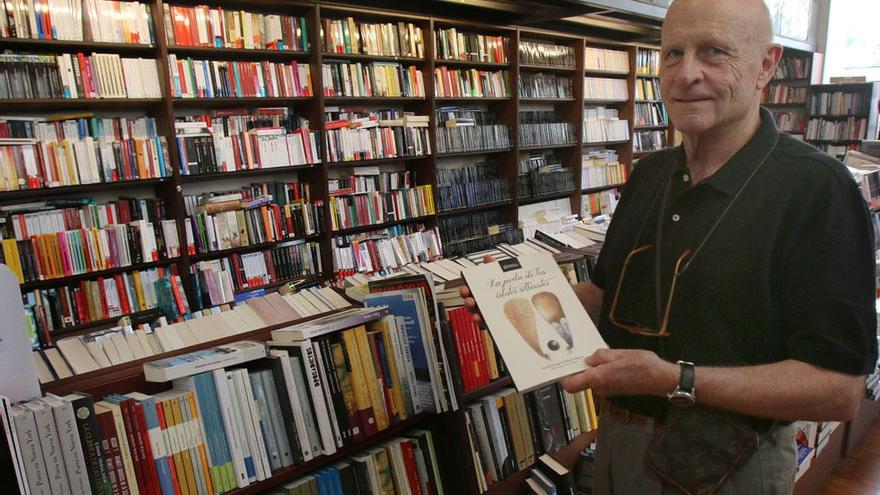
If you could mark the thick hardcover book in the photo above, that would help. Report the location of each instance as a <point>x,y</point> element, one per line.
<point>537,321</point>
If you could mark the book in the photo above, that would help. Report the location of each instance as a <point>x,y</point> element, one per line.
<point>165,370</point>
<point>331,323</point>
<point>539,325</point>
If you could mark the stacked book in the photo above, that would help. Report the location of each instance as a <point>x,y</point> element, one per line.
<point>50,310</point>
<point>76,75</point>
<point>402,39</point>
<point>476,184</point>
<point>371,179</point>
<point>839,103</point>
<point>541,85</point>
<point>603,59</point>
<point>218,281</point>
<point>236,79</point>
<point>784,93</point>
<point>203,26</point>
<point>648,62</point>
<point>384,251</point>
<point>539,53</point>
<point>508,431</point>
<point>126,342</point>
<point>544,129</point>
<point>602,124</point>
<point>865,169</point>
<point>230,221</point>
<point>644,141</point>
<point>389,79</point>
<point>648,90</point>
<point>233,140</point>
<point>36,153</point>
<point>650,114</point>
<point>357,134</point>
<point>471,83</point>
<point>469,129</point>
<point>56,239</point>
<point>91,20</point>
<point>373,208</point>
<point>543,174</point>
<point>478,361</point>
<point>451,44</point>
<point>601,167</point>
<point>850,129</point>
<point>604,88</point>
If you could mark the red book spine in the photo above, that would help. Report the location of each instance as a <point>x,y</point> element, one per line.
<point>137,452</point>
<point>112,453</point>
<point>412,472</point>
<point>144,434</point>
<point>164,427</point>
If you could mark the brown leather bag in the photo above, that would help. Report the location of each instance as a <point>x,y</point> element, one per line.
<point>697,448</point>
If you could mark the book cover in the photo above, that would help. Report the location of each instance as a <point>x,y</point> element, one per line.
<point>539,325</point>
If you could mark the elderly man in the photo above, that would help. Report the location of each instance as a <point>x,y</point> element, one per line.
<point>737,276</point>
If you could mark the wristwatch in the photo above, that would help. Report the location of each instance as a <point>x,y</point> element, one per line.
<point>683,395</point>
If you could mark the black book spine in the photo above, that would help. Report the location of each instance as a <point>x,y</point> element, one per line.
<point>90,438</point>
<point>335,390</point>
<point>286,409</point>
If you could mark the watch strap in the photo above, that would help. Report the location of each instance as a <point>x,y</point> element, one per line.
<point>687,377</point>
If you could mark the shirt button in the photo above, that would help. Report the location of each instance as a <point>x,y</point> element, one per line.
<point>686,178</point>
<point>676,217</point>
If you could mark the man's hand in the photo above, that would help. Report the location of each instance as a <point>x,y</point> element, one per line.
<point>469,302</point>
<point>625,372</point>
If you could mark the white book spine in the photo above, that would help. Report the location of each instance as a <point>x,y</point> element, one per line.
<point>252,415</point>
<point>293,394</point>
<point>56,473</point>
<point>32,453</point>
<point>233,438</point>
<point>71,447</point>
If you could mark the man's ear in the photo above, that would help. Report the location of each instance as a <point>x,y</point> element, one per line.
<point>769,60</point>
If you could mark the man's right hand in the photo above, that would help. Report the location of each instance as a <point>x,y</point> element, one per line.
<point>469,302</point>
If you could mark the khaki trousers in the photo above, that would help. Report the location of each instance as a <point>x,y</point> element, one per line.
<point>620,467</point>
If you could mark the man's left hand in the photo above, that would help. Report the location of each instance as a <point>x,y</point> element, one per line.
<point>625,372</point>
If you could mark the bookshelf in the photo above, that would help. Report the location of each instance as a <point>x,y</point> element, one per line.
<point>841,116</point>
<point>172,189</point>
<point>787,93</point>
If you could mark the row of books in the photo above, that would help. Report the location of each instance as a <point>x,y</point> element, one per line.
<point>401,39</point>
<point>452,44</point>
<point>648,89</point>
<point>836,150</point>
<point>602,167</point>
<point>604,59</point>
<point>849,129</point>
<point>202,25</point>
<point>230,141</point>
<point>99,75</point>
<point>478,362</point>
<point>388,79</point>
<point>546,133</point>
<point>793,68</point>
<point>605,88</point>
<point>498,234</point>
<point>650,114</point>
<point>471,83</point>
<point>472,185</point>
<point>229,229</point>
<point>127,342</point>
<point>784,93</point>
<point>545,85</point>
<point>466,137</point>
<point>839,103</point>
<point>602,124</point>
<point>455,228</point>
<point>384,251</point>
<point>252,195</point>
<point>371,208</point>
<point>649,141</point>
<point>38,153</point>
<point>508,431</point>
<point>542,174</point>
<point>371,179</point>
<point>89,20</point>
<point>236,79</point>
<point>792,121</point>
<point>600,203</point>
<point>550,55</point>
<point>86,301</point>
<point>648,62</point>
<point>356,134</point>
<point>218,281</point>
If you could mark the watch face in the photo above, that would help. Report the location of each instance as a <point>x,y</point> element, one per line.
<point>680,398</point>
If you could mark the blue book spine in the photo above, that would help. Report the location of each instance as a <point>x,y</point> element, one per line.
<point>198,385</point>
<point>336,481</point>
<point>161,155</point>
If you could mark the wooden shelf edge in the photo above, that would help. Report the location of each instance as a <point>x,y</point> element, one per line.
<point>251,247</point>
<point>54,282</point>
<point>491,387</point>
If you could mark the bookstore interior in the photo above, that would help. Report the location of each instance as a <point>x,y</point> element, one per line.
<point>235,233</point>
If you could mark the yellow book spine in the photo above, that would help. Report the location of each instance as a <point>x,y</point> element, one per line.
<point>139,291</point>
<point>591,409</point>
<point>194,414</point>
<point>372,380</point>
<point>171,434</point>
<point>11,256</point>
<point>396,387</point>
<point>186,459</point>
<point>358,382</point>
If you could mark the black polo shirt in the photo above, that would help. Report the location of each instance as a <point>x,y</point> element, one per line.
<point>788,273</point>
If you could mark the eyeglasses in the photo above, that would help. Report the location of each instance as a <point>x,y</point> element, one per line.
<point>631,325</point>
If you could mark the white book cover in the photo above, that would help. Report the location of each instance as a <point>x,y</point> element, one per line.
<point>71,447</point>
<point>231,427</point>
<point>14,446</point>
<point>56,472</point>
<point>537,321</point>
<point>252,416</point>
<point>32,453</point>
<point>164,370</point>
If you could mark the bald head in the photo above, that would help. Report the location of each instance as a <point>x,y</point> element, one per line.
<point>749,18</point>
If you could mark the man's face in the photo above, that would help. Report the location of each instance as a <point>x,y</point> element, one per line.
<point>709,69</point>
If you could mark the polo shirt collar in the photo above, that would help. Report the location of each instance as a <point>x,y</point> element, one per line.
<point>732,174</point>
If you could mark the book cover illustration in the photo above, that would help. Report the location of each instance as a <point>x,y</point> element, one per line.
<point>540,326</point>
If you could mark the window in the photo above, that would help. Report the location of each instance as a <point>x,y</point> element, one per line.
<point>853,47</point>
